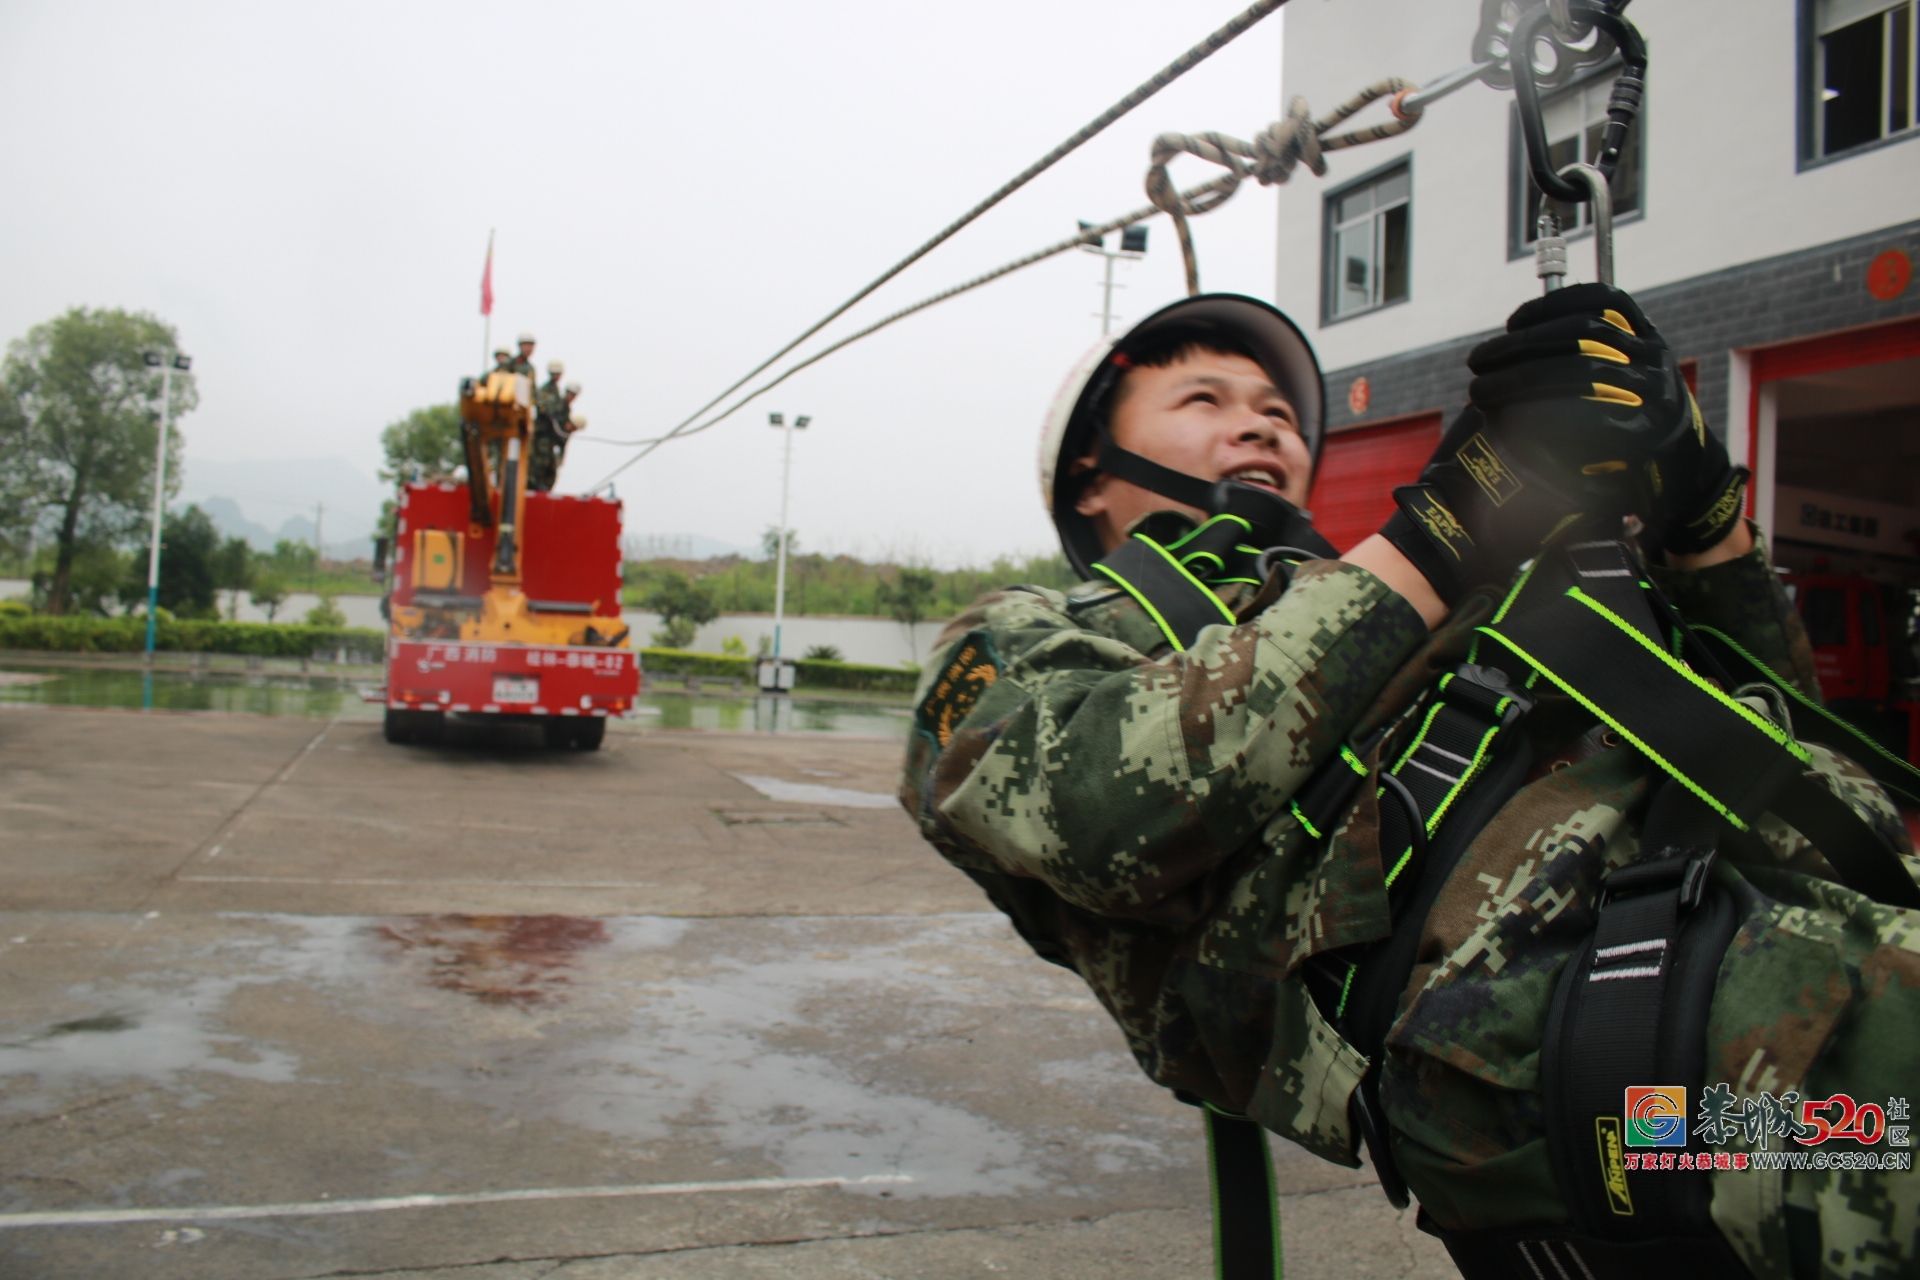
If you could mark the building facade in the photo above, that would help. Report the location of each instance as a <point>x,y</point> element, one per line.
<point>1768,218</point>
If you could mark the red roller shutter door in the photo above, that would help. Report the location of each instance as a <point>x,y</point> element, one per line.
<point>1352,493</point>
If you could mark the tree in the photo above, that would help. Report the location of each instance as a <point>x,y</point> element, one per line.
<point>77,427</point>
<point>189,543</point>
<point>426,442</point>
<point>233,572</point>
<point>325,614</point>
<point>770,542</point>
<point>684,607</point>
<point>95,580</point>
<point>268,593</point>
<point>907,597</point>
<point>823,653</point>
<point>291,561</point>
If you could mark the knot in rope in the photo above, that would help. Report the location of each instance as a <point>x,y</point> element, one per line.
<point>1287,142</point>
<point>1270,158</point>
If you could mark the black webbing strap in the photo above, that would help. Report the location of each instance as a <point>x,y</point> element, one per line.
<point>1554,1253</point>
<point>1738,763</point>
<point>1627,1028</point>
<point>1246,1212</point>
<point>1179,603</point>
<point>1815,723</point>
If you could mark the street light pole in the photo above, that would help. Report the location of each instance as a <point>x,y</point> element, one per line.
<point>1133,244</point>
<point>786,479</point>
<point>166,365</point>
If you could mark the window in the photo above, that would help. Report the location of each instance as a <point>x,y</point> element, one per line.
<point>1862,86</point>
<point>1369,229</point>
<point>1575,120</point>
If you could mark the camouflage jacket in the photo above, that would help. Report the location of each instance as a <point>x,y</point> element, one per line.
<point>1127,806</point>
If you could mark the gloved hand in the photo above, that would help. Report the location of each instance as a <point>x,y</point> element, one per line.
<point>1706,493</point>
<point>1582,378</point>
<point>1479,508</point>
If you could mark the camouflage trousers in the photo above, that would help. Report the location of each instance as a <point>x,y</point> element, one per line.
<point>1817,999</point>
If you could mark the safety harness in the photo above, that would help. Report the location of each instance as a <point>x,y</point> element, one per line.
<point>1631,1005</point>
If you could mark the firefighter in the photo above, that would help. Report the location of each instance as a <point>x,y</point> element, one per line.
<point>549,429</point>
<point>523,363</point>
<point>1182,779</point>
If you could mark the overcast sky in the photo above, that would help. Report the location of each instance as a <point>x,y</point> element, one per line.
<point>305,192</point>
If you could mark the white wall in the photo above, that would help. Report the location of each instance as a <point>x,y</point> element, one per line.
<point>1718,135</point>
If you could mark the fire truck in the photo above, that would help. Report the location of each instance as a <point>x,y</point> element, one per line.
<point>505,602</point>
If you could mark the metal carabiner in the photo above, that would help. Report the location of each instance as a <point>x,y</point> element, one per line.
<point>1550,247</point>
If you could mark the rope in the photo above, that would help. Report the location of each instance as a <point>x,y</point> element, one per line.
<point>1089,236</point>
<point>1193,57</point>
<point>1270,158</point>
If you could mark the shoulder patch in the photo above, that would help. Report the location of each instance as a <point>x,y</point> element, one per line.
<point>971,667</point>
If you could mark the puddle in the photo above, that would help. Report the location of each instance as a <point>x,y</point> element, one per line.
<point>801,1048</point>
<point>765,1041</point>
<point>325,697</point>
<point>257,693</point>
<point>814,793</point>
<point>513,960</point>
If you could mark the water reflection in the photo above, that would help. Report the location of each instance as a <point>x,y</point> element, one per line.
<point>326,696</point>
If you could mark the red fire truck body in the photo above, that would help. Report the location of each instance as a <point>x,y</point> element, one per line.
<point>550,647</point>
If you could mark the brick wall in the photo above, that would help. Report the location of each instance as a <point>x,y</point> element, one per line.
<point>1796,295</point>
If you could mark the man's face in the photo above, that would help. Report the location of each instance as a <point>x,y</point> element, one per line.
<point>526,350</point>
<point>1209,415</point>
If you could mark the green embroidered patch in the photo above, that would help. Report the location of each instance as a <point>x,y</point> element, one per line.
<point>972,667</point>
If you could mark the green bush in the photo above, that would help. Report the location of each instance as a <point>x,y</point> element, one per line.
<point>810,673</point>
<point>76,634</point>
<point>820,673</point>
<point>685,662</point>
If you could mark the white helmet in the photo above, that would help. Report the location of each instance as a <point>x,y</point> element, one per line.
<point>1076,417</point>
<point>577,421</point>
<point>556,367</point>
<point>572,388</point>
<point>526,336</point>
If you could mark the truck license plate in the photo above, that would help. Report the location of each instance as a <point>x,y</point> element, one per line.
<point>516,689</point>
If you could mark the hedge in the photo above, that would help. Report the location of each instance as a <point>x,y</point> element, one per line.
<point>812,673</point>
<point>44,632</point>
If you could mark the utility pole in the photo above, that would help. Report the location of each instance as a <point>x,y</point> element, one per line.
<point>166,366</point>
<point>319,509</point>
<point>786,478</point>
<point>1133,244</point>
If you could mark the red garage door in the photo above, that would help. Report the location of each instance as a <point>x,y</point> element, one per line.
<point>1353,492</point>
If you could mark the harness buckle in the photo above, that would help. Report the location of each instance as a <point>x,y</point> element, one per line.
<point>1682,868</point>
<point>1488,691</point>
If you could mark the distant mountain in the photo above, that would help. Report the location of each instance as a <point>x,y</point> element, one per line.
<point>680,546</point>
<point>264,500</point>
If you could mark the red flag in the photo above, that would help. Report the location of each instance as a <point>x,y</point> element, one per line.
<point>486,280</point>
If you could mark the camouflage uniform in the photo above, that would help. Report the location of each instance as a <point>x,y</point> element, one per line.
<point>549,435</point>
<point>1128,807</point>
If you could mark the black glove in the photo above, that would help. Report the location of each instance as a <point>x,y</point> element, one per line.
<point>1479,509</point>
<point>1582,379</point>
<point>1706,493</point>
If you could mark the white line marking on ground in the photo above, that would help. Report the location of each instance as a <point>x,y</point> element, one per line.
<point>814,793</point>
<point>371,883</point>
<point>334,1208</point>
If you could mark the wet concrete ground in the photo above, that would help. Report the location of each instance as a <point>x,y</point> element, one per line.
<point>280,1000</point>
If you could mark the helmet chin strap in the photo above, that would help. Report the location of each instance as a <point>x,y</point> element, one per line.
<point>1275,521</point>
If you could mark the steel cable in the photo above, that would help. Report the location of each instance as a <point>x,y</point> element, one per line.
<point>1165,76</point>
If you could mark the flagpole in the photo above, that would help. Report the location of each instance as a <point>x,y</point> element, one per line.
<point>486,306</point>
